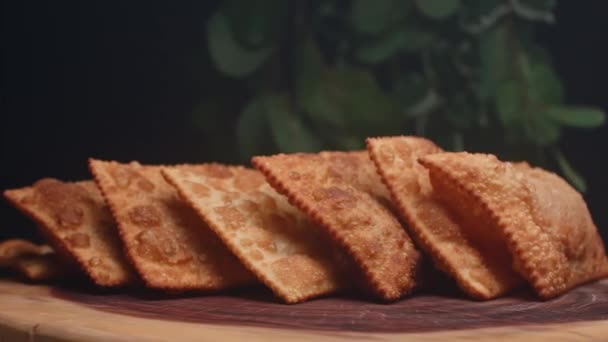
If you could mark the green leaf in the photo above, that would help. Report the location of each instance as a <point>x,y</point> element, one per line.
<point>311,87</point>
<point>382,48</point>
<point>228,56</point>
<point>350,100</point>
<point>438,9</point>
<point>582,117</point>
<point>287,129</point>
<point>366,107</point>
<point>546,86</point>
<point>325,109</point>
<point>541,131</point>
<point>569,172</point>
<point>256,23</point>
<point>543,5</point>
<point>309,67</point>
<point>510,103</point>
<point>410,93</point>
<point>494,58</point>
<point>379,50</point>
<point>350,143</point>
<point>252,129</point>
<point>461,114</point>
<point>373,17</point>
<point>474,10</point>
<point>326,7</point>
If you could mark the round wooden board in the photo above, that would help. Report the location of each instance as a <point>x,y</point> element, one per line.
<point>42,313</point>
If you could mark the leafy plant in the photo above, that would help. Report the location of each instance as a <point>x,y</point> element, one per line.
<point>325,74</point>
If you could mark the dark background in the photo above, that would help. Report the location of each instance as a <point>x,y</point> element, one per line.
<point>118,80</point>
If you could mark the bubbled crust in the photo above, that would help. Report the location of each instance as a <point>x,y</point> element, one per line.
<point>170,247</point>
<point>481,267</point>
<point>78,224</point>
<point>354,218</point>
<point>274,240</point>
<point>355,169</point>
<point>554,244</point>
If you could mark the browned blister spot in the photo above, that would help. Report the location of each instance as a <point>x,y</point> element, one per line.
<point>386,155</point>
<point>246,242</point>
<point>217,171</point>
<point>277,223</point>
<point>122,176</point>
<point>79,240</point>
<point>145,216</point>
<point>95,261</point>
<point>216,184</point>
<point>230,196</point>
<point>249,207</point>
<point>246,182</point>
<point>64,201</point>
<point>353,168</point>
<point>70,217</point>
<point>344,161</point>
<point>158,246</point>
<point>338,198</point>
<point>256,255</point>
<point>265,202</point>
<point>231,216</point>
<point>200,189</point>
<point>145,185</point>
<point>267,244</point>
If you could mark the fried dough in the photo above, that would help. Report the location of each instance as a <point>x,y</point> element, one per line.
<point>40,268</point>
<point>14,248</point>
<point>478,260</point>
<point>273,239</point>
<point>356,169</point>
<point>78,224</point>
<point>549,232</point>
<point>169,245</point>
<point>344,203</point>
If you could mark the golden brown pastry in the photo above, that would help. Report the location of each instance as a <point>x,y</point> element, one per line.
<point>169,245</point>
<point>276,241</point>
<point>545,222</point>
<point>477,259</point>
<point>78,224</point>
<point>330,190</point>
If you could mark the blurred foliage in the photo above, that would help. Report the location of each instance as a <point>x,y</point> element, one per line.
<point>325,74</point>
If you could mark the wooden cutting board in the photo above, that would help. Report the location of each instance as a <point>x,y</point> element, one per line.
<point>44,313</point>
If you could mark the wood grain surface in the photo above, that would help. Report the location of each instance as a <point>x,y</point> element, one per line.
<point>41,313</point>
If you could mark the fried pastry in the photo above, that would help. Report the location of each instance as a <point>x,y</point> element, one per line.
<point>273,239</point>
<point>15,248</point>
<point>345,205</point>
<point>547,227</point>
<point>40,268</point>
<point>78,224</point>
<point>477,259</point>
<point>169,245</point>
<point>356,169</point>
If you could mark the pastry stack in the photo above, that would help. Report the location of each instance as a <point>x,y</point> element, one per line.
<point>379,222</point>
